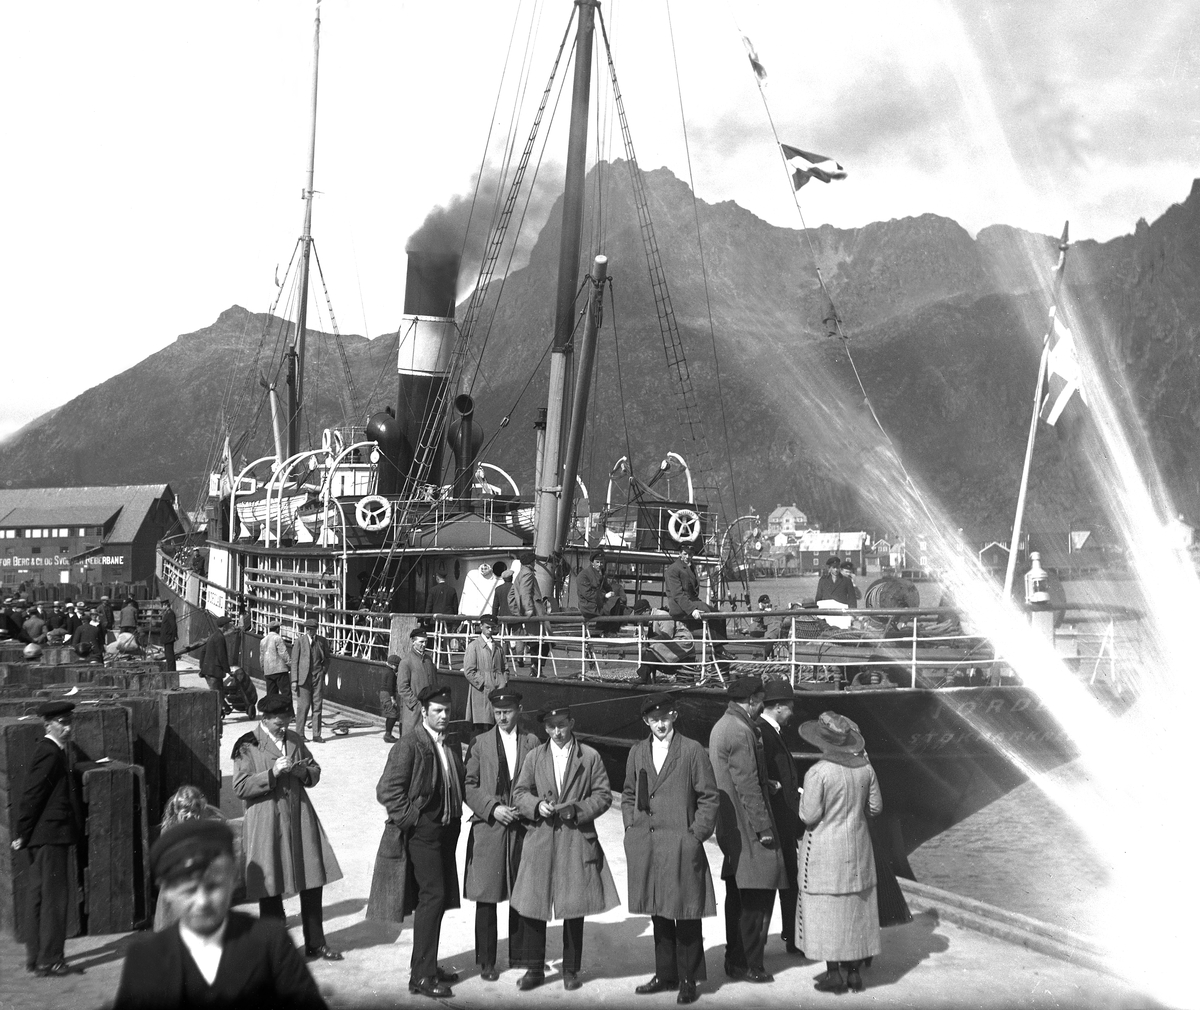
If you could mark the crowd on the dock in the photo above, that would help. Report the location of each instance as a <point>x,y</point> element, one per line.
<point>94,631</point>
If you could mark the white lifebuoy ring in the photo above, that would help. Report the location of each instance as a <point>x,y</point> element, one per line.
<point>326,441</point>
<point>684,526</point>
<point>373,512</point>
<point>339,444</point>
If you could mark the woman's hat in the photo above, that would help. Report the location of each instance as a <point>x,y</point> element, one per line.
<point>833,732</point>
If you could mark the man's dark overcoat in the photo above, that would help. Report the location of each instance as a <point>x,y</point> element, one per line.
<point>785,804</point>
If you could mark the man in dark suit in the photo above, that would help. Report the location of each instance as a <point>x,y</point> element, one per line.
<point>597,596</point>
<point>168,635</point>
<point>422,790</point>
<point>310,661</point>
<point>88,639</point>
<point>211,957</point>
<point>214,664</point>
<point>49,822</point>
<point>497,830</point>
<point>681,589</point>
<point>783,785</point>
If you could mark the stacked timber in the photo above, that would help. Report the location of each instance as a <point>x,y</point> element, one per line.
<point>116,871</point>
<point>146,675</point>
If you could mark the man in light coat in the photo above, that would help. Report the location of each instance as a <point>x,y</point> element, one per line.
<point>286,849</point>
<point>415,673</point>
<point>753,867</point>
<point>669,807</point>
<point>275,661</point>
<point>497,830</point>
<point>783,786</point>
<point>561,790</point>
<point>483,667</point>
<point>310,661</point>
<point>421,789</point>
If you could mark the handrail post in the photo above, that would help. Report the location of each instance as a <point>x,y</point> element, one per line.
<point>913,668</point>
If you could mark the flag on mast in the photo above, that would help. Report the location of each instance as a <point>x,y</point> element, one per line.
<point>759,70</point>
<point>806,165</point>
<point>1063,375</point>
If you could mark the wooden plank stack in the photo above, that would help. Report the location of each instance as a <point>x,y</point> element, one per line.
<point>146,676</point>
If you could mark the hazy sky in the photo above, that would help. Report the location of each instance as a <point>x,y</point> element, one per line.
<point>154,152</point>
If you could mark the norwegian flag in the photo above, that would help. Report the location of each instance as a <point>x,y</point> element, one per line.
<point>805,165</point>
<point>1063,375</point>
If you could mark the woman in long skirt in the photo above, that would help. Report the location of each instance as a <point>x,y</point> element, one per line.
<point>838,915</point>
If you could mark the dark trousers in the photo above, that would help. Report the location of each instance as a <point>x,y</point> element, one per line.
<point>486,932</point>
<point>431,855</point>
<point>46,894</point>
<point>277,683</point>
<point>169,654</point>
<point>312,916</point>
<point>747,919</point>
<point>678,949</point>
<point>528,950</point>
<point>788,900</point>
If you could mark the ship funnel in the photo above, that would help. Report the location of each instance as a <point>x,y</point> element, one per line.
<point>466,440</point>
<point>426,342</point>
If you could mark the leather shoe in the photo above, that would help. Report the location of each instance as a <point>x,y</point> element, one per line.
<point>656,984</point>
<point>388,738</point>
<point>758,976</point>
<point>429,987</point>
<point>791,948</point>
<point>446,976</point>
<point>854,980</point>
<point>687,993</point>
<point>571,980</point>
<point>733,972</point>
<point>317,739</point>
<point>830,981</point>
<point>57,969</point>
<point>530,980</point>
<point>489,974</point>
<point>322,953</point>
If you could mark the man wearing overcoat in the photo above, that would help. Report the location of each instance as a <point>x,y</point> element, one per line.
<point>561,790</point>
<point>168,635</point>
<point>681,587</point>
<point>50,820</point>
<point>753,867</point>
<point>286,849</point>
<point>415,673</point>
<point>214,663</point>
<point>783,787</point>
<point>421,789</point>
<point>669,807</point>
<point>310,661</point>
<point>497,830</point>
<point>483,668</point>
<point>598,597</point>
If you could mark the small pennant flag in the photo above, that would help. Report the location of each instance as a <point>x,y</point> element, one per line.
<point>1063,375</point>
<point>832,321</point>
<point>805,165</point>
<point>759,70</point>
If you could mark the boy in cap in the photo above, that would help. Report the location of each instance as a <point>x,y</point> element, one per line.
<point>310,661</point>
<point>421,789</point>
<point>669,807</point>
<point>753,868</point>
<point>783,787</point>
<point>211,956</point>
<point>561,790</point>
<point>50,820</point>
<point>287,851</point>
<point>497,830</point>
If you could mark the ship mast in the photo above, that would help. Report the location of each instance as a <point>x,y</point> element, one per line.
<point>550,479</point>
<point>295,354</point>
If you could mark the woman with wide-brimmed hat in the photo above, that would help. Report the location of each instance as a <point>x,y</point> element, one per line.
<point>838,915</point>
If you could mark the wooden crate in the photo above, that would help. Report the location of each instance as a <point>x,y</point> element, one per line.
<point>117,893</point>
<point>189,753</point>
<point>143,676</point>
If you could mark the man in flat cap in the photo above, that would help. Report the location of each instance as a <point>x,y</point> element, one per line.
<point>497,830</point>
<point>286,849</point>
<point>669,807</point>
<point>561,790</point>
<point>598,597</point>
<point>753,867</point>
<point>214,664</point>
<point>421,789</point>
<point>310,661</point>
<point>49,821</point>
<point>168,634</point>
<point>415,673</point>
<point>483,667</point>
<point>681,587</point>
<point>210,957</point>
<point>275,662</point>
<point>783,787</point>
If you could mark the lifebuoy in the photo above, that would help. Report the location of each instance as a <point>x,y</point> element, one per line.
<point>684,526</point>
<point>326,440</point>
<point>373,512</point>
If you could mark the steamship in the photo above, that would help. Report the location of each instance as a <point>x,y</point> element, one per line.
<point>355,530</point>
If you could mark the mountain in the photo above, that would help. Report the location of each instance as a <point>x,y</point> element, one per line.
<point>944,331</point>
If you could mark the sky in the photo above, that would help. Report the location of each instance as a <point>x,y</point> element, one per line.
<point>155,153</point>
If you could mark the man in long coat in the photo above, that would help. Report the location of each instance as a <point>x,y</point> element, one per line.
<point>168,635</point>
<point>483,667</point>
<point>310,661</point>
<point>562,789</point>
<point>681,588</point>
<point>415,673</point>
<point>49,821</point>
<point>214,664</point>
<point>497,830</point>
<point>421,789</point>
<point>783,786</point>
<point>669,807</point>
<point>753,867</point>
<point>285,846</point>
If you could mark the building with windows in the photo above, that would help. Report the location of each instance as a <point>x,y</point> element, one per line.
<point>78,535</point>
<point>786,519</point>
